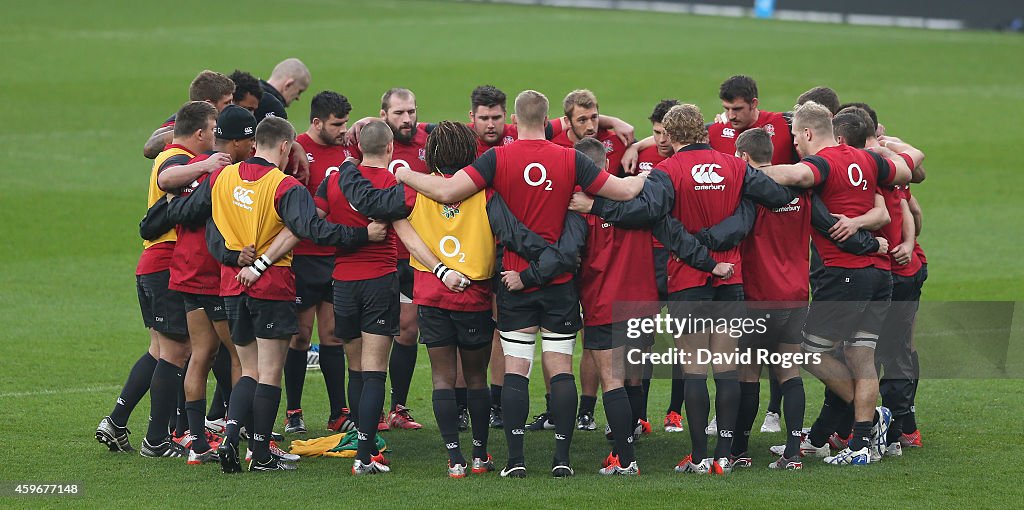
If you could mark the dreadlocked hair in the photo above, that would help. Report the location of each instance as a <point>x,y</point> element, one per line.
<point>450,147</point>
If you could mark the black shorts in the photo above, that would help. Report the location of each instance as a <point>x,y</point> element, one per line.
<point>465,330</point>
<point>312,280</point>
<point>610,336</point>
<point>849,305</point>
<point>212,305</point>
<point>696,301</point>
<point>661,272</point>
<point>163,309</point>
<point>555,308</point>
<point>250,318</point>
<point>708,292</point>
<point>406,276</point>
<point>783,326</point>
<point>369,306</point>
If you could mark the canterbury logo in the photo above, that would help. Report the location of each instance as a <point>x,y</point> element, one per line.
<point>243,197</point>
<point>452,446</point>
<point>706,174</point>
<point>559,437</point>
<point>646,166</point>
<point>517,432</point>
<point>724,433</point>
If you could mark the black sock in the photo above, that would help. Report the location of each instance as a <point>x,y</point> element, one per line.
<point>910,421</point>
<point>163,394</point>
<point>461,398</point>
<point>135,387</point>
<point>222,392</point>
<point>446,411</point>
<point>793,407</point>
<point>496,394</point>
<point>698,404</point>
<point>676,399</point>
<point>240,409</point>
<point>620,419</point>
<point>401,367</point>
<point>515,403</point>
<point>587,404</point>
<point>563,408</point>
<point>646,383</point>
<point>194,409</point>
<point>636,401</point>
<point>750,393</point>
<point>727,407</point>
<point>265,402</point>
<point>774,396</point>
<point>479,416</point>
<point>845,426</point>
<point>181,417</point>
<point>895,429</point>
<point>861,435</point>
<point>332,364</point>
<point>355,392</point>
<point>832,410</point>
<point>547,404</point>
<point>294,377</point>
<point>371,402</point>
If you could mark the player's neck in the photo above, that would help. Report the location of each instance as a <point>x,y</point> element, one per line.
<point>375,161</point>
<point>530,132</point>
<point>314,135</point>
<point>871,143</point>
<point>190,144</point>
<point>824,144</point>
<point>267,155</point>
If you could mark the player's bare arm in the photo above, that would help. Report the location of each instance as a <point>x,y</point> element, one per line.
<point>905,250</point>
<point>437,188</point>
<point>454,280</point>
<point>157,141</point>
<point>623,129</point>
<point>876,218</point>
<point>177,176</point>
<point>800,175</point>
<point>283,243</point>
<point>915,210</point>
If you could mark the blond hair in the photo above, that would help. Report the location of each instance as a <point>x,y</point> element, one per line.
<point>685,124</point>
<point>531,108</point>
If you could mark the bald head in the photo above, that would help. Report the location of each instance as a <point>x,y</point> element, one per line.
<point>291,78</point>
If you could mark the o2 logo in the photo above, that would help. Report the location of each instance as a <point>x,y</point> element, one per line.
<point>456,248</point>
<point>856,176</point>
<point>542,176</point>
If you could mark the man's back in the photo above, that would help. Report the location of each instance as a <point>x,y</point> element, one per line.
<point>847,181</point>
<point>536,179</point>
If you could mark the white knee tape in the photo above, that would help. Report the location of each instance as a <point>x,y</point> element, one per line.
<point>815,343</point>
<point>863,339</point>
<point>558,342</point>
<point>518,344</point>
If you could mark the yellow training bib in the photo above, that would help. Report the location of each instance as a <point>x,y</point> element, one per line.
<point>459,234</point>
<point>244,210</point>
<point>155,193</point>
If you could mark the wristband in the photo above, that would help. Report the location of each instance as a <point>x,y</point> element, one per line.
<point>262,263</point>
<point>257,272</point>
<point>440,270</point>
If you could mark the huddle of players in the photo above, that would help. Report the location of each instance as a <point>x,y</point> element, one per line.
<point>543,263</point>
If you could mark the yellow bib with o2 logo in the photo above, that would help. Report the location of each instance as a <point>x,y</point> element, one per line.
<point>244,210</point>
<point>459,234</point>
<point>155,193</point>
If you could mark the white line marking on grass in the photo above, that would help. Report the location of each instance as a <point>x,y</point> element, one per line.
<point>36,393</point>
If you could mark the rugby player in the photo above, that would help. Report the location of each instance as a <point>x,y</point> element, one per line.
<point>325,147</point>
<point>196,275</point>
<point>537,178</point>
<point>289,79</point>
<point>248,91</point>
<point>847,277</point>
<point>706,187</point>
<point>163,310</point>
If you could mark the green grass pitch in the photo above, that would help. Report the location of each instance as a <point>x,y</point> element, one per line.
<point>84,83</point>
